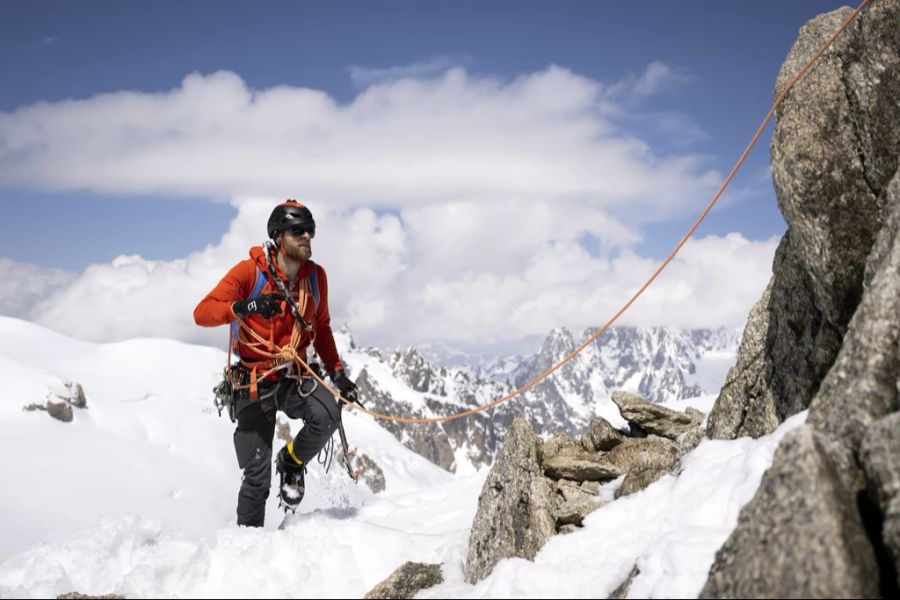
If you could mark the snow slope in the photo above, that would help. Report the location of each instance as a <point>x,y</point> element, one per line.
<point>136,496</point>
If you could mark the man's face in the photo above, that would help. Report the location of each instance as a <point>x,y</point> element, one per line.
<point>296,245</point>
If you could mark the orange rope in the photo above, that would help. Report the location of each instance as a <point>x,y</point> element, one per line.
<point>635,296</point>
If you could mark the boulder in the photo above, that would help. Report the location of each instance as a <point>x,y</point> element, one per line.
<point>515,508</point>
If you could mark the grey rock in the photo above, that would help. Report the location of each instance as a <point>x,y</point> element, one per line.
<point>579,467</point>
<point>407,581</point>
<point>573,504</point>
<point>834,151</point>
<point>591,487</point>
<point>77,397</point>
<point>644,460</point>
<point>371,474</point>
<point>568,528</point>
<point>603,435</point>
<point>515,508</point>
<point>746,404</point>
<point>635,482</point>
<point>587,444</point>
<point>621,592</point>
<point>690,439</point>
<point>638,454</point>
<point>880,459</point>
<point>560,443</point>
<point>801,535</point>
<point>861,387</point>
<point>653,418</point>
<point>60,410</point>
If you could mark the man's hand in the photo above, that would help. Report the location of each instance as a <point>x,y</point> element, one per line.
<point>266,306</point>
<point>346,387</point>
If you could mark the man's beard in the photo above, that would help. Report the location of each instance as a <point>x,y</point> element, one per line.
<point>298,253</point>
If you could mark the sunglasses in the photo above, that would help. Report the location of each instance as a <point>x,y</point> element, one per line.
<point>297,231</point>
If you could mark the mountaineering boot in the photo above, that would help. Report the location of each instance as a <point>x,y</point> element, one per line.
<point>292,484</point>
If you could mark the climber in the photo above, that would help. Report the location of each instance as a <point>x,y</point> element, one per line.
<point>255,291</point>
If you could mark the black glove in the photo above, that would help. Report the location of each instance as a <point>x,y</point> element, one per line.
<point>266,306</point>
<point>346,387</point>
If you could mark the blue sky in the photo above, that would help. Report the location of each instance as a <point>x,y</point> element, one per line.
<point>51,51</point>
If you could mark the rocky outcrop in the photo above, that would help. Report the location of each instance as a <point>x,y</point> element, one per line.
<point>408,580</point>
<point>824,520</point>
<point>862,385</point>
<point>604,436</point>
<point>583,466</point>
<point>514,515</point>
<point>370,473</point>
<point>621,592</point>
<point>655,419</point>
<point>573,501</point>
<point>536,490</point>
<point>644,460</point>
<point>834,151</point>
<point>60,405</point>
<point>857,402</point>
<point>880,459</point>
<point>801,535</point>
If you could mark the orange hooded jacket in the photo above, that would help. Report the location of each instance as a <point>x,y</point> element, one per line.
<point>215,309</point>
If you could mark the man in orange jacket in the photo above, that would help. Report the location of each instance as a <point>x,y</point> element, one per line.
<point>255,290</point>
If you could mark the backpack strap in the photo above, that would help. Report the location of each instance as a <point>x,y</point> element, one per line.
<point>314,285</point>
<point>257,289</point>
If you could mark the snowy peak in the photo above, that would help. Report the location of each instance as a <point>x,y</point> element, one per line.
<point>558,344</point>
<point>412,368</point>
<point>343,337</point>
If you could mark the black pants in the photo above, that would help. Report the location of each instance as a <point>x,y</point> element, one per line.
<point>256,428</point>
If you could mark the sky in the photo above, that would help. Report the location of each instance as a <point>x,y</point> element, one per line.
<point>480,172</point>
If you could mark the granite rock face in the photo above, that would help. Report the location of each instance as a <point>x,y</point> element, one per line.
<point>826,334</point>
<point>834,152</point>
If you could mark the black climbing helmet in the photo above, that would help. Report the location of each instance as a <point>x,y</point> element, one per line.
<point>289,214</point>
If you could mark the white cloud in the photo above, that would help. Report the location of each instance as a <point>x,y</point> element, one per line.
<point>658,77</point>
<point>22,285</point>
<point>392,287</point>
<point>364,76</point>
<point>450,209</point>
<point>713,282</point>
<point>400,143</point>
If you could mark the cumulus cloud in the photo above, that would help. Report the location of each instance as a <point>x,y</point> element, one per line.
<point>399,143</point>
<point>449,209</point>
<point>393,288</point>
<point>713,282</point>
<point>23,285</point>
